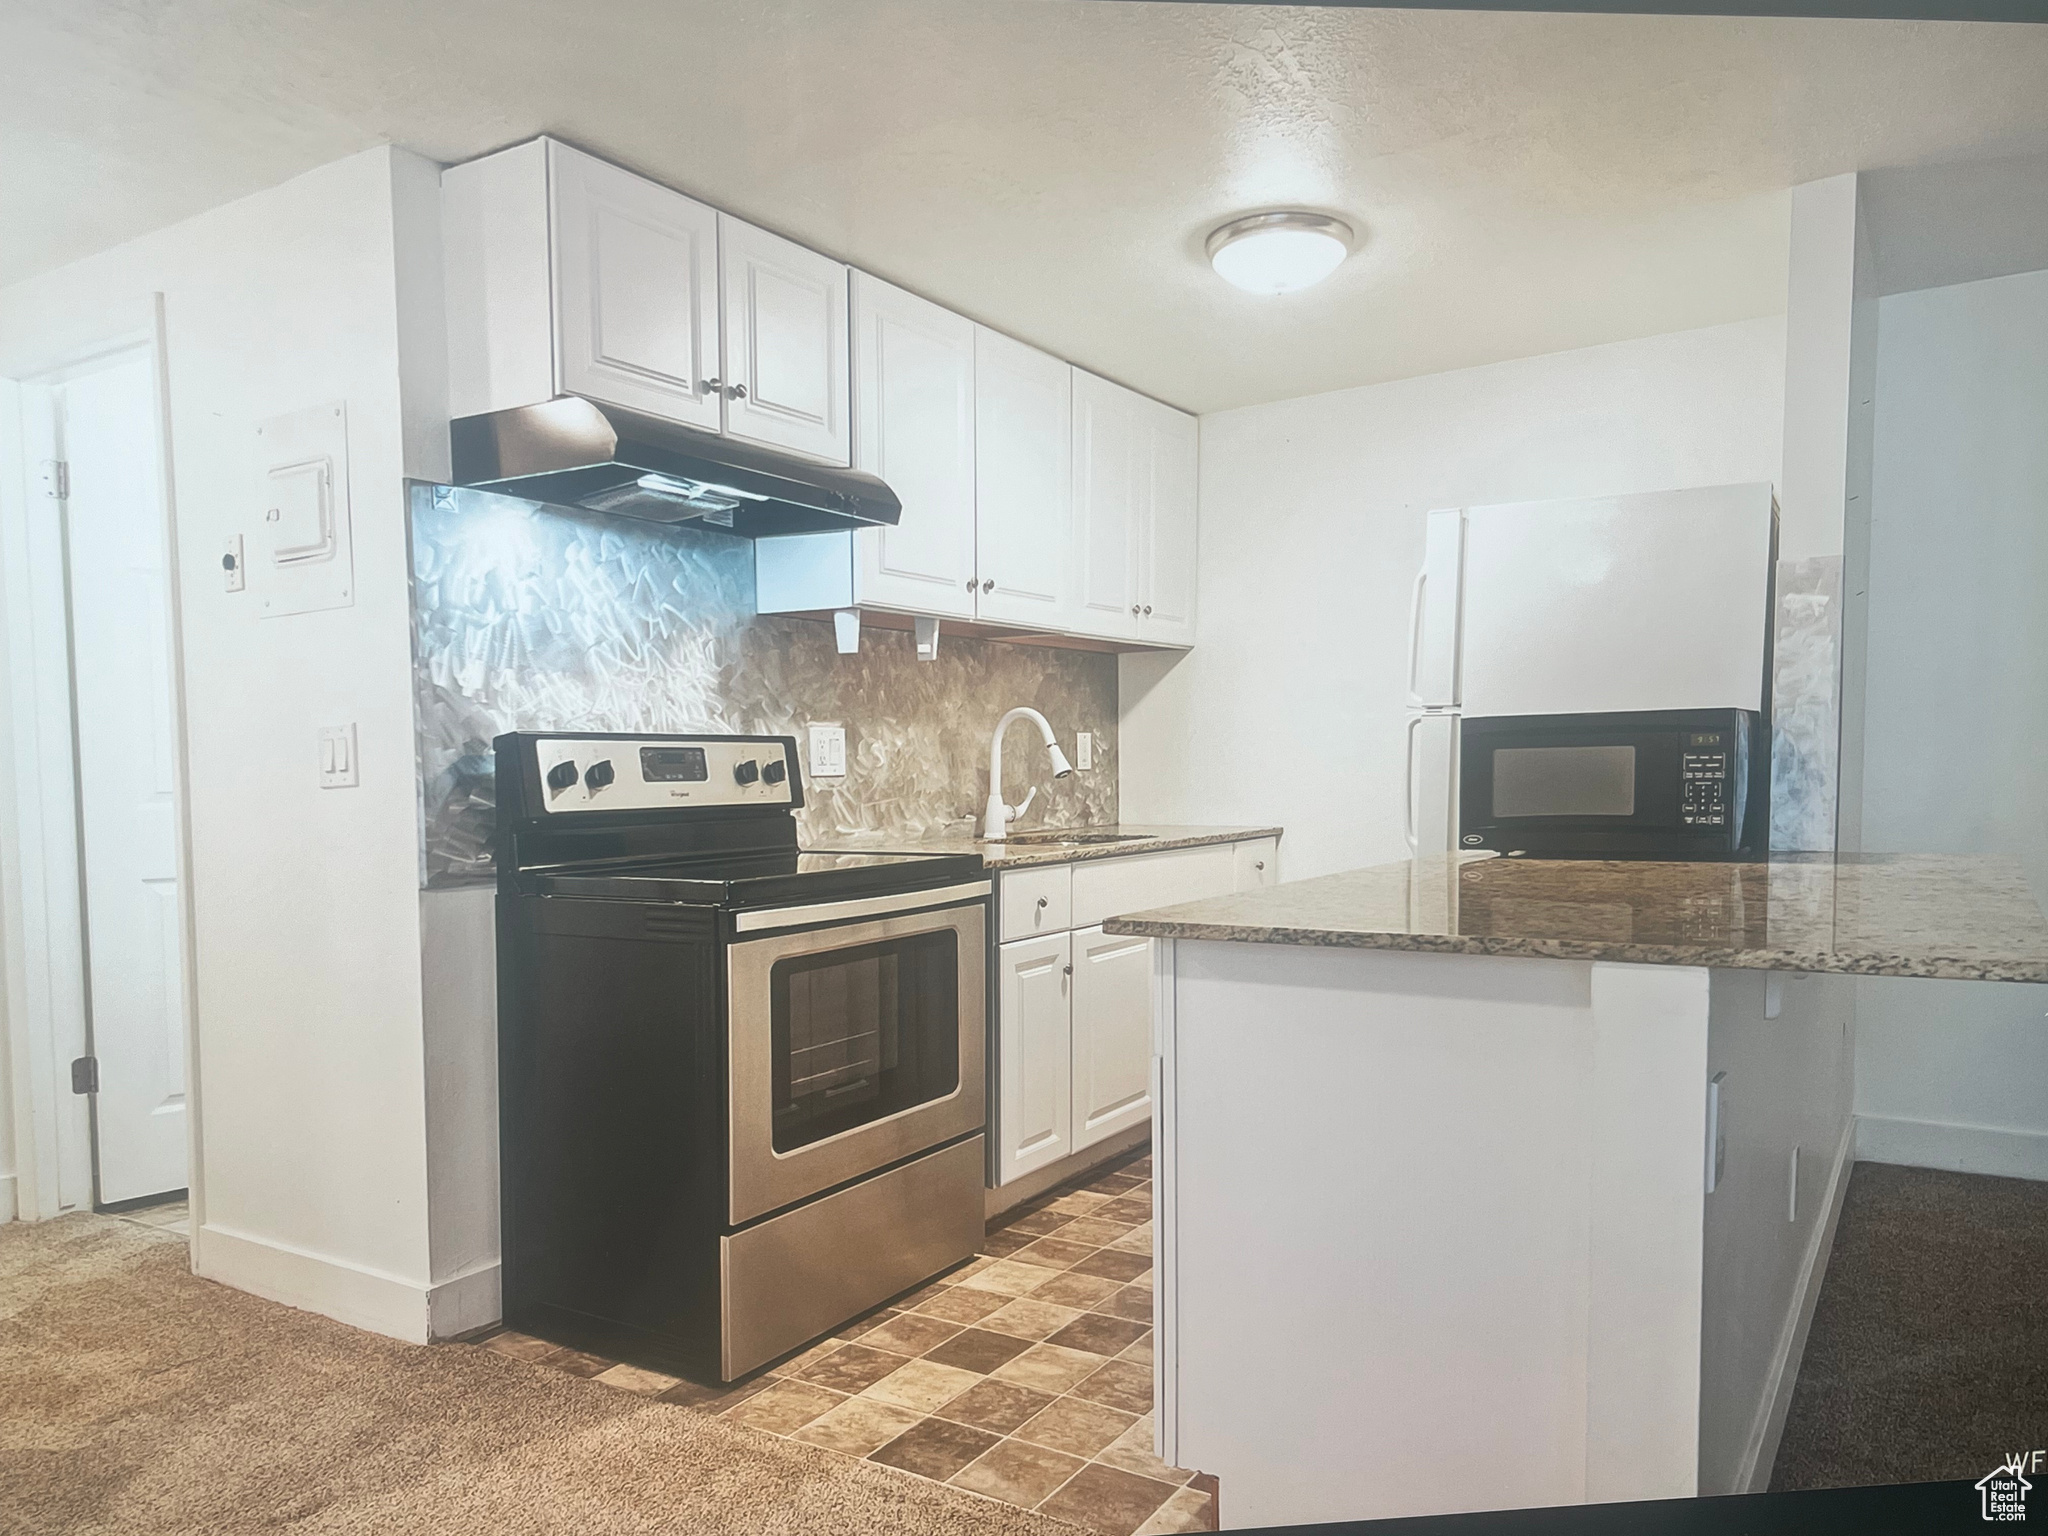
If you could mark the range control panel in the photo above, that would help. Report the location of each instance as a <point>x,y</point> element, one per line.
<point>665,772</point>
<point>1703,797</point>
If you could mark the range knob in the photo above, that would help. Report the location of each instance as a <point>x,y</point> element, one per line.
<point>747,772</point>
<point>774,772</point>
<point>599,774</point>
<point>561,776</point>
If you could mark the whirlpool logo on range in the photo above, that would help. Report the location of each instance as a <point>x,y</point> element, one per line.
<point>2004,1490</point>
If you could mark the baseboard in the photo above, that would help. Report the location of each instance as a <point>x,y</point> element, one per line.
<point>8,1209</point>
<point>1959,1148</point>
<point>1753,1472</point>
<point>361,1297</point>
<point>466,1303</point>
<point>1072,1166</point>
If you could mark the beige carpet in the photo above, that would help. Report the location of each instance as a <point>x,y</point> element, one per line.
<point>137,1398</point>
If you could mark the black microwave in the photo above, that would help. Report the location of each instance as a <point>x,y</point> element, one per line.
<point>1636,784</point>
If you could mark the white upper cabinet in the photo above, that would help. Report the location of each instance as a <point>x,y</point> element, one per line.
<point>1111,468</point>
<point>785,375</point>
<point>1023,479</point>
<point>1167,540</point>
<point>913,371</point>
<point>1134,515</point>
<point>636,290</point>
<point>568,275</point>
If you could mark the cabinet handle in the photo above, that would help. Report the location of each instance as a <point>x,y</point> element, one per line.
<point>1148,610</point>
<point>972,583</point>
<point>1134,610</point>
<point>1259,864</point>
<point>737,392</point>
<point>1043,903</point>
<point>1067,970</point>
<point>710,386</point>
<point>989,585</point>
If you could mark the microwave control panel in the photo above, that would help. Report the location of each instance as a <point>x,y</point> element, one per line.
<point>1703,779</point>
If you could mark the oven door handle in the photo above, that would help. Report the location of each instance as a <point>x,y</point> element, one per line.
<point>846,911</point>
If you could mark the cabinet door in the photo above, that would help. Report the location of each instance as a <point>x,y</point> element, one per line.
<point>1257,863</point>
<point>1112,1034</point>
<point>913,416</point>
<point>1112,469</point>
<point>635,289</point>
<point>787,382</point>
<point>1034,1054</point>
<point>1166,533</point>
<point>1023,485</point>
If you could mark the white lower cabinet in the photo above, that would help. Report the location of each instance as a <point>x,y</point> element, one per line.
<point>1073,1060</point>
<point>1034,1043</point>
<point>1112,1034</point>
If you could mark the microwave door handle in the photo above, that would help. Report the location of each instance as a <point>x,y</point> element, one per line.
<point>1415,636</point>
<point>1408,788</point>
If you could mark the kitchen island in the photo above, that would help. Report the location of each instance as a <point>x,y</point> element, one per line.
<point>1498,1183</point>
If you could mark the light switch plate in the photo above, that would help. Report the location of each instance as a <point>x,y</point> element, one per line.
<point>1084,750</point>
<point>828,751</point>
<point>338,757</point>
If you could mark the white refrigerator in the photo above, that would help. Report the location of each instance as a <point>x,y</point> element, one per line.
<point>1656,601</point>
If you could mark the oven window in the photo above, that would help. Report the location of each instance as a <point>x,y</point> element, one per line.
<point>1564,781</point>
<point>861,1034</point>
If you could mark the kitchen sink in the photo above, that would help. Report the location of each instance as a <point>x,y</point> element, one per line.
<point>1075,835</point>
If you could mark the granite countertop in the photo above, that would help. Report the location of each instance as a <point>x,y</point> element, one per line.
<point>1952,916</point>
<point>1016,854</point>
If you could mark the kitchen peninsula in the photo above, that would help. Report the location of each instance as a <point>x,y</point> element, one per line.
<point>1487,1183</point>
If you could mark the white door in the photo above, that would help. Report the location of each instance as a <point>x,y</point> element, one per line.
<point>787,379</point>
<point>1034,1062</point>
<point>1430,810</point>
<point>1433,613</point>
<point>1112,472</point>
<point>1023,485</point>
<point>636,291</point>
<point>913,413</point>
<point>1112,1034</point>
<point>121,668</point>
<point>1167,537</point>
<point>1658,601</point>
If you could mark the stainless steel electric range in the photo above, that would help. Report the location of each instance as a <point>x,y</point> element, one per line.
<point>741,1089</point>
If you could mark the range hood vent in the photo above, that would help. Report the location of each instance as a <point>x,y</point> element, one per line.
<point>572,452</point>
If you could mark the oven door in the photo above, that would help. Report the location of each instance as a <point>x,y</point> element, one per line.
<point>853,1045</point>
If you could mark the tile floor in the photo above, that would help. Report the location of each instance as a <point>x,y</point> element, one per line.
<point>173,1217</point>
<point>1023,1375</point>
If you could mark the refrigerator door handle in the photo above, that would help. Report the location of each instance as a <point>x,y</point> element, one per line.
<point>1415,699</point>
<point>1408,788</point>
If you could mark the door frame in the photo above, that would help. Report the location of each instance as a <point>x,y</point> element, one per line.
<point>43,986</point>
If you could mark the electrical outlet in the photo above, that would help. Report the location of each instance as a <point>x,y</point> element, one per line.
<point>1084,750</point>
<point>338,757</point>
<point>828,751</point>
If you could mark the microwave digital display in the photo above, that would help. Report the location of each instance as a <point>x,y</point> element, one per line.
<point>1564,781</point>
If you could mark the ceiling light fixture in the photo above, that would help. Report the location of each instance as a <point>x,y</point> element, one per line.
<point>1279,252</point>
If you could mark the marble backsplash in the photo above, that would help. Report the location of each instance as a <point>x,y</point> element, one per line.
<point>537,618</point>
<point>1806,710</point>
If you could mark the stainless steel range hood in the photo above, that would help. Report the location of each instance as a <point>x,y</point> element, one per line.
<point>574,452</point>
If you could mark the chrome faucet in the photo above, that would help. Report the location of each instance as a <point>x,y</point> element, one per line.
<point>998,816</point>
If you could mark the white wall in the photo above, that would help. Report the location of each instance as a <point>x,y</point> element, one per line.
<point>312,1097</point>
<point>1955,1074</point>
<point>1291,709</point>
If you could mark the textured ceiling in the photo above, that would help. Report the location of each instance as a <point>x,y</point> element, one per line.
<point>1524,182</point>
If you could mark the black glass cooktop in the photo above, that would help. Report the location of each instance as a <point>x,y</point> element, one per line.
<point>762,879</point>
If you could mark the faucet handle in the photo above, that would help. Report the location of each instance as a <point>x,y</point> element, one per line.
<point>1023,805</point>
